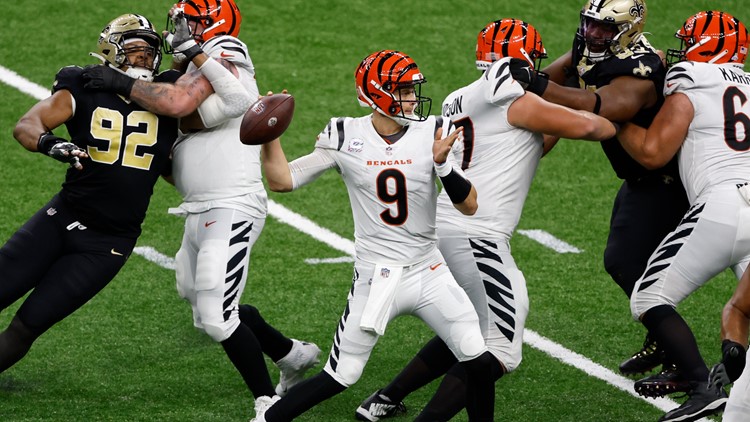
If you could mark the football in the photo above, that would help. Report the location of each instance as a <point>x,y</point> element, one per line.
<point>267,119</point>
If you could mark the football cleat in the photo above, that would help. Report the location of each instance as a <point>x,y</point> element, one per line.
<point>668,381</point>
<point>262,404</point>
<point>703,400</point>
<point>378,406</point>
<point>293,366</point>
<point>644,360</point>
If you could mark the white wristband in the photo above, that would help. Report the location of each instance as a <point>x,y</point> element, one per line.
<point>443,169</point>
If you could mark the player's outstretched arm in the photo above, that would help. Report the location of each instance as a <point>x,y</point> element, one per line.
<point>275,166</point>
<point>537,115</point>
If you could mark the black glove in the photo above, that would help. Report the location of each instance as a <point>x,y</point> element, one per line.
<point>104,78</point>
<point>731,366</point>
<point>530,79</point>
<point>59,149</point>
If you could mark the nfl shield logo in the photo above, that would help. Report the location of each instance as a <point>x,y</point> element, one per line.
<point>385,272</point>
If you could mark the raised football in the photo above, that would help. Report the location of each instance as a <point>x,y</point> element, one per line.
<point>267,119</point>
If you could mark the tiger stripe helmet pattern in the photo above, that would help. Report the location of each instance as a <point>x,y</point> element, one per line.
<point>218,17</point>
<point>379,79</point>
<point>711,36</point>
<point>509,38</point>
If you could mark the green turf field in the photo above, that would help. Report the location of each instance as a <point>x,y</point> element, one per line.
<point>131,354</point>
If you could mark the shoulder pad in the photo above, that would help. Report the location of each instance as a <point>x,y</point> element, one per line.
<point>228,48</point>
<point>680,77</point>
<point>333,135</point>
<point>67,77</point>
<point>501,85</point>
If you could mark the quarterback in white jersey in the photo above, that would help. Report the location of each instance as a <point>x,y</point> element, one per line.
<point>390,161</point>
<point>502,145</point>
<point>704,121</point>
<point>224,200</point>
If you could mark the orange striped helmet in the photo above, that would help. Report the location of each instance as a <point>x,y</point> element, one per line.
<point>711,37</point>
<point>218,17</point>
<point>509,38</point>
<point>380,79</point>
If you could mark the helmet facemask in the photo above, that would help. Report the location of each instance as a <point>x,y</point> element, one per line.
<point>610,27</point>
<point>215,17</point>
<point>390,83</point>
<point>113,46</point>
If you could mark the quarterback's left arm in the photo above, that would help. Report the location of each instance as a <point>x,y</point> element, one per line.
<point>460,190</point>
<point>655,146</point>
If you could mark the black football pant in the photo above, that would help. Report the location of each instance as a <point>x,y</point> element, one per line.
<point>62,263</point>
<point>644,212</point>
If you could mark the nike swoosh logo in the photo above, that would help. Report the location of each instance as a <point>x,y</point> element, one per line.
<point>636,56</point>
<point>434,267</point>
<point>208,223</point>
<point>114,252</point>
<point>670,85</point>
<point>224,54</point>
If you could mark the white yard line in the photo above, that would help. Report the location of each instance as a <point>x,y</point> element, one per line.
<point>339,243</point>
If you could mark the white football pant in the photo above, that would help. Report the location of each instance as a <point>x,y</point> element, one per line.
<point>485,269</point>
<point>426,290</point>
<point>714,235</point>
<point>212,266</point>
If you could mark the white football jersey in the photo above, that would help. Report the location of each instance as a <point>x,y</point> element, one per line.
<point>392,187</point>
<point>717,147</point>
<point>211,167</point>
<point>498,158</point>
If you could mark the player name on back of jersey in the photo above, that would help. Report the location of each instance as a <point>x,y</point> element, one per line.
<point>388,162</point>
<point>454,107</point>
<point>732,75</point>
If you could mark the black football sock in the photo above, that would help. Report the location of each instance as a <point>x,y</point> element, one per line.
<point>450,396</point>
<point>430,363</point>
<point>672,333</point>
<point>303,396</point>
<point>15,342</point>
<point>480,388</point>
<point>272,342</point>
<point>243,350</point>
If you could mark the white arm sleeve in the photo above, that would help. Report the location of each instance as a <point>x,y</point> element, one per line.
<point>230,98</point>
<point>308,168</point>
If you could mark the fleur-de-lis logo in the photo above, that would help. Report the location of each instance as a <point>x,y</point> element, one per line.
<point>642,70</point>
<point>638,9</point>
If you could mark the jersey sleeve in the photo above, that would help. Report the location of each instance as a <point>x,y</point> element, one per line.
<point>333,135</point>
<point>499,85</point>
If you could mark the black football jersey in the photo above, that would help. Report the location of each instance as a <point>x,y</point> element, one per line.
<point>128,148</point>
<point>643,63</point>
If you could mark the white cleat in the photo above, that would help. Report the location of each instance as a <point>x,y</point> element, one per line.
<point>293,366</point>
<point>262,404</point>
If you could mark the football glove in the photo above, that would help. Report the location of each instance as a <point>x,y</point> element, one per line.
<point>182,40</point>
<point>104,78</point>
<point>731,366</point>
<point>59,149</point>
<point>531,80</point>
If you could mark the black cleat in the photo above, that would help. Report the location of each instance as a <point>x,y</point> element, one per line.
<point>378,406</point>
<point>668,381</point>
<point>704,400</point>
<point>646,359</point>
